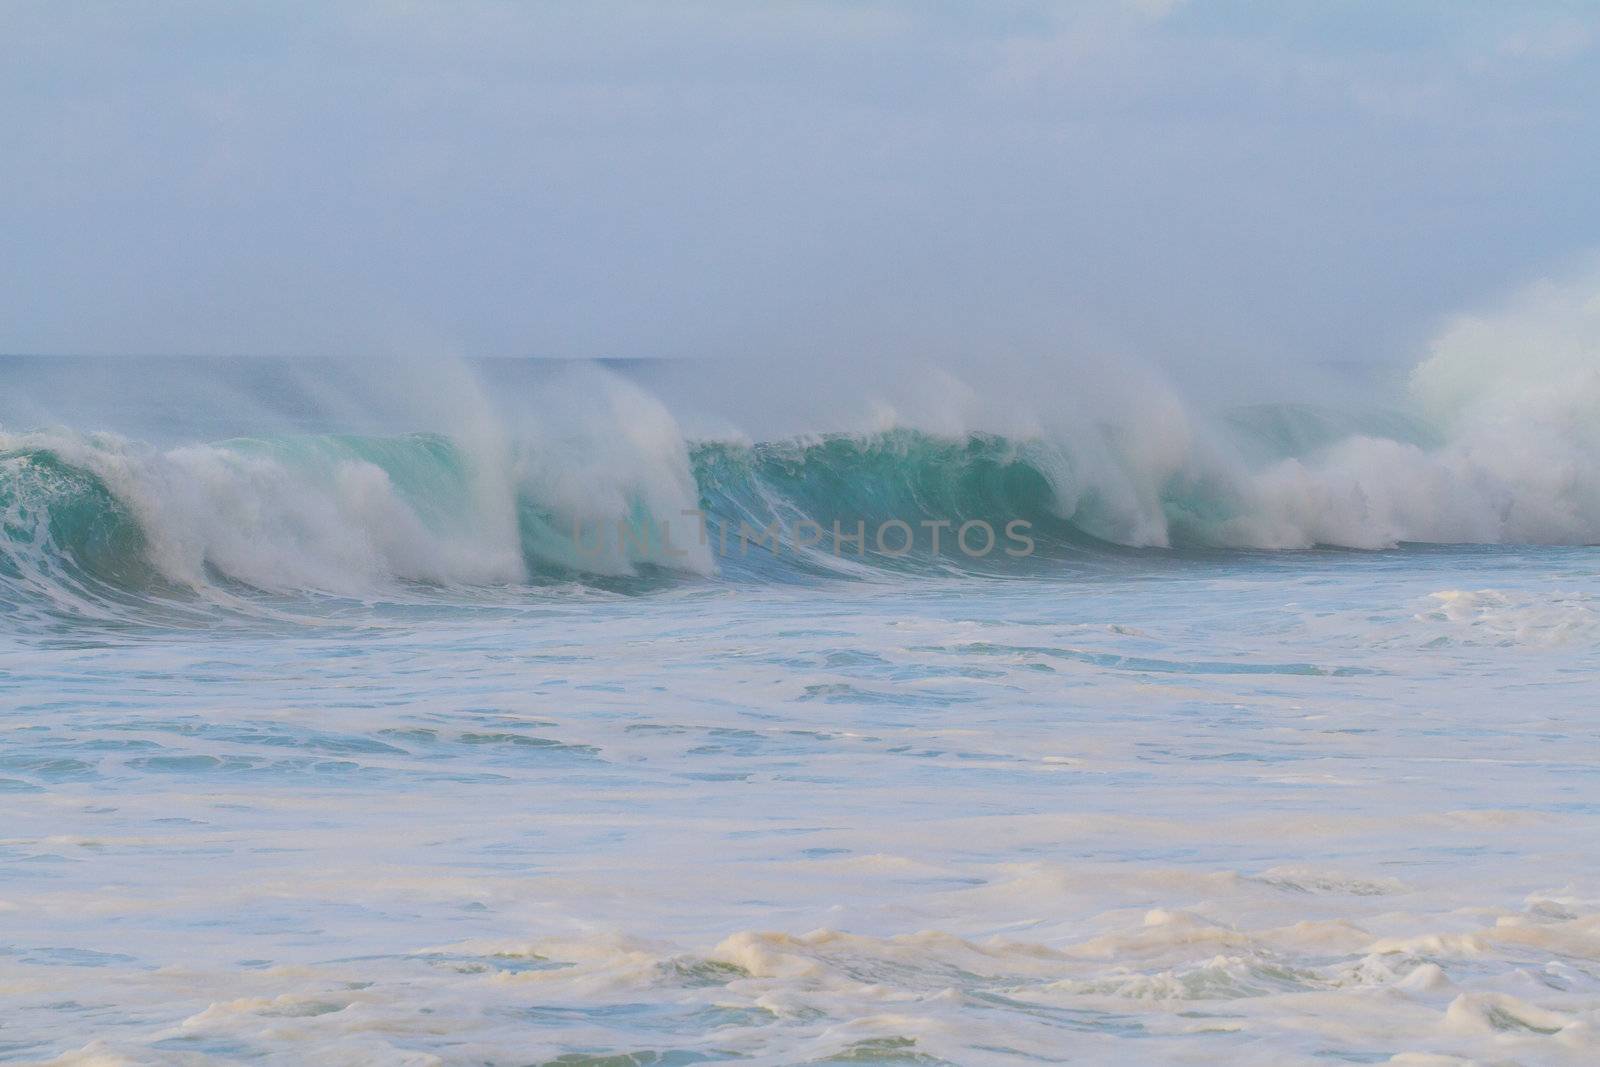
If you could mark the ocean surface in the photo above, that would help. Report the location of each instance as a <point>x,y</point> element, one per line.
<point>326,739</point>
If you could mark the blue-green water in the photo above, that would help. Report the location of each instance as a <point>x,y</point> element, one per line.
<point>330,745</point>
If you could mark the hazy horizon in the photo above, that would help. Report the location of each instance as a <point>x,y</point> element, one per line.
<point>1213,184</point>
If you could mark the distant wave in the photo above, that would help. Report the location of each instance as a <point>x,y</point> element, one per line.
<point>583,476</point>
<point>85,516</point>
<point>91,519</point>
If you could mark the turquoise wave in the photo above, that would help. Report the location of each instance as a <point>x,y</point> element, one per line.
<point>72,525</point>
<point>89,520</point>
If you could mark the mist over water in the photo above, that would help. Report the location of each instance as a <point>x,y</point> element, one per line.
<point>203,477</point>
<point>332,737</point>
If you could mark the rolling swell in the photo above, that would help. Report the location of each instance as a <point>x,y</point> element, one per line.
<point>854,484</point>
<point>91,523</point>
<point>91,519</point>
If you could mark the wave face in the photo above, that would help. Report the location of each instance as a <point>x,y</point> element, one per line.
<point>586,477</point>
<point>91,520</point>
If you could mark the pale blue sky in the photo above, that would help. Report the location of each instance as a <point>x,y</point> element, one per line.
<point>1274,181</point>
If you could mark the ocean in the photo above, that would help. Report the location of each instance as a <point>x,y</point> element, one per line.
<point>518,714</point>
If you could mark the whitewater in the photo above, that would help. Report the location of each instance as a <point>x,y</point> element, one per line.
<point>324,737</point>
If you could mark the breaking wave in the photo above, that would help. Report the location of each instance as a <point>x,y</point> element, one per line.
<point>603,486</point>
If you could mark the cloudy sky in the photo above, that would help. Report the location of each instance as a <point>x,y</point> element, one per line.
<point>1276,180</point>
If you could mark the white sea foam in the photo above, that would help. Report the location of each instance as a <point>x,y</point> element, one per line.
<point>1511,399</point>
<point>326,514</point>
<point>1490,616</point>
<point>621,827</point>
